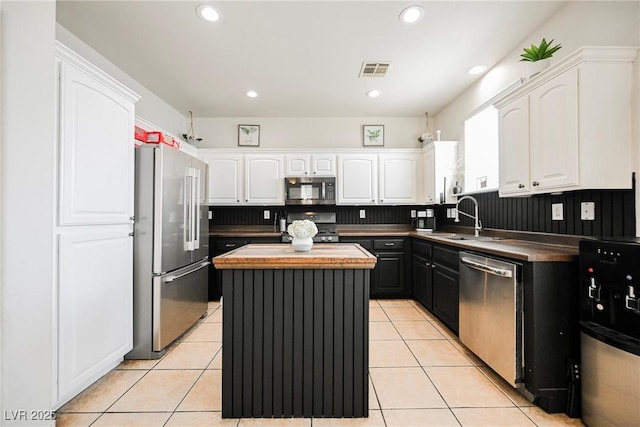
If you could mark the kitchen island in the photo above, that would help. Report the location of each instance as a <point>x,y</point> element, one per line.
<point>295,331</point>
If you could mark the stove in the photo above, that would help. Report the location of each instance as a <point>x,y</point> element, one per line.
<point>325,221</point>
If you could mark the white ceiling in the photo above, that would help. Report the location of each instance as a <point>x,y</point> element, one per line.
<point>302,57</point>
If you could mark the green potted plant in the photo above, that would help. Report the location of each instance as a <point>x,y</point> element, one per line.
<point>538,57</point>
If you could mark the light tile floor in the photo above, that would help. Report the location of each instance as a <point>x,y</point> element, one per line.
<point>420,375</point>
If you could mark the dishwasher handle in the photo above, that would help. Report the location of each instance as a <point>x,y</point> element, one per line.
<point>486,268</point>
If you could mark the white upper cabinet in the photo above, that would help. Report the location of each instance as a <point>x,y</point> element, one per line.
<point>357,179</point>
<point>226,178</point>
<point>96,149</point>
<point>398,183</point>
<point>264,180</point>
<point>514,147</point>
<point>310,165</point>
<point>569,128</point>
<point>438,170</point>
<point>554,130</point>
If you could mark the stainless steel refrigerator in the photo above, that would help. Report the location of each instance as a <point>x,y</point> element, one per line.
<point>171,248</point>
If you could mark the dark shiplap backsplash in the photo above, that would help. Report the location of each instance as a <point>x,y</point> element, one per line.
<point>615,213</point>
<point>614,216</point>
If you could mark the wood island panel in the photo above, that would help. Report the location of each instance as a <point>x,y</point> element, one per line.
<point>274,256</point>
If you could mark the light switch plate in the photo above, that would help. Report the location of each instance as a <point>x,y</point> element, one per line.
<point>422,214</point>
<point>267,214</point>
<point>451,212</point>
<point>587,211</point>
<point>557,211</point>
<point>413,213</point>
<point>362,214</point>
<point>210,215</point>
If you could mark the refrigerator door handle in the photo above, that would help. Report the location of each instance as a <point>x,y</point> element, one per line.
<point>196,209</point>
<point>177,276</point>
<point>188,195</point>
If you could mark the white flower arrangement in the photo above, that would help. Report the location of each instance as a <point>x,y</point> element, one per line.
<point>302,229</point>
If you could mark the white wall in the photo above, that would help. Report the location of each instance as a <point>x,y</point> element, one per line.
<point>150,107</point>
<point>578,23</point>
<point>310,132</point>
<point>27,197</point>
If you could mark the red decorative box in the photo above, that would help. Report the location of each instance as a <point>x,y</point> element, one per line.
<point>140,134</point>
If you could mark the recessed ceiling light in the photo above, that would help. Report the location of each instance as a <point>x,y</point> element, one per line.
<point>208,13</point>
<point>411,14</point>
<point>477,69</point>
<point>252,94</point>
<point>373,93</point>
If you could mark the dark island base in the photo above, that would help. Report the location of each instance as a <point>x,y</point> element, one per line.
<point>295,343</point>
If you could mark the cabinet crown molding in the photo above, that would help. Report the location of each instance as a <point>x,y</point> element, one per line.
<point>71,57</point>
<point>590,54</point>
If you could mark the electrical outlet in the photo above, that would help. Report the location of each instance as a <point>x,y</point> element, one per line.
<point>422,214</point>
<point>413,213</point>
<point>557,211</point>
<point>267,214</point>
<point>362,214</point>
<point>451,212</point>
<point>587,211</point>
<point>210,215</point>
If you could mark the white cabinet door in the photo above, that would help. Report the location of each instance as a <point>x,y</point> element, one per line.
<point>264,183</point>
<point>357,180</point>
<point>96,151</point>
<point>554,133</point>
<point>439,162</point>
<point>323,165</point>
<point>514,147</point>
<point>95,305</point>
<point>398,179</point>
<point>226,179</point>
<point>297,165</point>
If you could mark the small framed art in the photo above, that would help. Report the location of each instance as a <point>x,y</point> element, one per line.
<point>249,135</point>
<point>373,135</point>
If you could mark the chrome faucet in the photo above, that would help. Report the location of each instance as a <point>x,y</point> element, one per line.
<point>477,225</point>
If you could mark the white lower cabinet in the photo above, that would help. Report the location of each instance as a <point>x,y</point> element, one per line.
<point>95,304</point>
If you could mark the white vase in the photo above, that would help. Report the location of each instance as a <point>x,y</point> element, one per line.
<point>302,244</point>
<point>536,67</point>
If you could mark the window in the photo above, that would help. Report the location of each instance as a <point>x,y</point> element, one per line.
<point>481,150</point>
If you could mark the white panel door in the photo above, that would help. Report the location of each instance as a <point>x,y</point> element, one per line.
<point>554,133</point>
<point>264,180</point>
<point>323,165</point>
<point>513,122</point>
<point>398,179</point>
<point>297,165</point>
<point>96,151</point>
<point>226,178</point>
<point>357,180</point>
<point>95,304</point>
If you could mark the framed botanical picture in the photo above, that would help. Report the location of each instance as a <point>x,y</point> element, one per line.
<point>373,135</point>
<point>249,135</point>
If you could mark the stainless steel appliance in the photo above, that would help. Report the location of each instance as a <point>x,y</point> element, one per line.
<point>491,313</point>
<point>325,222</point>
<point>610,332</point>
<point>310,191</point>
<point>171,248</point>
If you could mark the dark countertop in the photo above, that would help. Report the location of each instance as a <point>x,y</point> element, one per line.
<point>532,247</point>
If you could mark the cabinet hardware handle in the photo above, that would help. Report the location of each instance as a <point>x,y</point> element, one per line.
<point>520,185</point>
<point>238,200</point>
<point>131,234</point>
<point>535,183</point>
<point>373,200</point>
<point>230,245</point>
<point>132,218</point>
<point>388,244</point>
<point>247,200</point>
<point>305,172</point>
<point>314,172</point>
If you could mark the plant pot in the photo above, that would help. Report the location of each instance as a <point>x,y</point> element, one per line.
<point>302,244</point>
<point>537,67</point>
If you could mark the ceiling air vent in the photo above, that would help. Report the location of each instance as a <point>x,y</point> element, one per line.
<point>374,69</point>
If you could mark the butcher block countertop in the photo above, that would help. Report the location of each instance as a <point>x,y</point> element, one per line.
<point>275,256</point>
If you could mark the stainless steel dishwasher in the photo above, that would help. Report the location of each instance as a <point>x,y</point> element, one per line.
<point>491,313</point>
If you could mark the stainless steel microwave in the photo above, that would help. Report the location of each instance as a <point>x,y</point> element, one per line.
<point>310,191</point>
